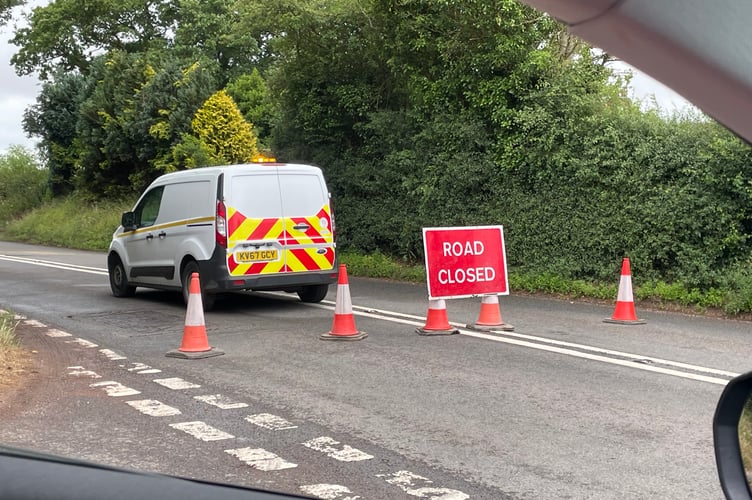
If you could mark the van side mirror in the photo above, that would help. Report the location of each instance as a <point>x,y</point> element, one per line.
<point>128,221</point>
<point>732,439</point>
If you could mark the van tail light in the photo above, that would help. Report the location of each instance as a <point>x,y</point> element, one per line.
<point>221,224</point>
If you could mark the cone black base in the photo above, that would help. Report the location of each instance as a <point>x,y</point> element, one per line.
<point>357,336</point>
<point>625,321</point>
<point>194,355</point>
<point>423,331</point>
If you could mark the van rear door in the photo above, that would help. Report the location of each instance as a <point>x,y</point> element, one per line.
<point>308,235</point>
<point>255,227</point>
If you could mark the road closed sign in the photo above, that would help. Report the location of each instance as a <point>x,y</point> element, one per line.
<point>465,261</point>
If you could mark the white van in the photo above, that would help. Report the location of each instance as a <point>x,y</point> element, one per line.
<point>241,227</point>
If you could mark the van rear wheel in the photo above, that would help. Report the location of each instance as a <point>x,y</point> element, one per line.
<point>119,279</point>
<point>313,293</point>
<point>207,299</point>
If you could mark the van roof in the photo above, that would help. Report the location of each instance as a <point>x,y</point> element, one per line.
<point>245,167</point>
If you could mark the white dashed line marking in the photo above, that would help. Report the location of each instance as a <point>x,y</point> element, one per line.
<point>80,371</point>
<point>260,459</point>
<point>415,485</point>
<point>176,383</point>
<point>344,453</point>
<point>271,422</point>
<point>154,408</point>
<point>115,389</point>
<point>82,342</point>
<point>220,401</point>
<point>202,431</point>
<point>34,323</point>
<point>112,355</point>
<point>141,369</point>
<point>57,333</point>
<point>328,491</point>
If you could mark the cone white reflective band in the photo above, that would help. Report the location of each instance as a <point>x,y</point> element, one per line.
<point>437,304</point>
<point>194,315</point>
<point>490,299</point>
<point>625,289</point>
<point>344,302</point>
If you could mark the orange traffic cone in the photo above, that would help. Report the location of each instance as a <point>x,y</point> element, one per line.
<point>343,327</point>
<point>437,322</point>
<point>489,318</point>
<point>624,313</point>
<point>195,343</point>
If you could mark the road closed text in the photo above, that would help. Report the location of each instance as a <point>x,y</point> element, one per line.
<point>468,275</point>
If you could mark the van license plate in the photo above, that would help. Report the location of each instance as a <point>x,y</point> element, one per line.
<point>245,256</point>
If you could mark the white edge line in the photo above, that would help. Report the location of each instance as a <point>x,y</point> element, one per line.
<point>559,350</point>
<point>595,357</point>
<point>600,350</point>
<point>55,266</point>
<point>41,261</point>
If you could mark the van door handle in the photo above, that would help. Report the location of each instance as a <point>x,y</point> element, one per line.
<point>162,235</point>
<point>301,227</point>
<point>149,237</point>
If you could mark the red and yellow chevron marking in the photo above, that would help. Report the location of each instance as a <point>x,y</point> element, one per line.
<point>241,228</point>
<point>316,232</point>
<point>308,259</point>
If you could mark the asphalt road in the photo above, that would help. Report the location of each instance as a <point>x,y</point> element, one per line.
<point>566,406</point>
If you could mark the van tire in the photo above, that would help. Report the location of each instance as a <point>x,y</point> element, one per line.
<point>313,293</point>
<point>207,299</point>
<point>119,279</point>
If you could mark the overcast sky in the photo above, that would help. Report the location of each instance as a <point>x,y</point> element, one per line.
<point>16,93</point>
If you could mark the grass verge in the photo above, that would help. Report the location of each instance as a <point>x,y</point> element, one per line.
<point>13,358</point>
<point>73,222</point>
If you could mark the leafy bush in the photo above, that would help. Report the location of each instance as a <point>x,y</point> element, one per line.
<point>22,183</point>
<point>738,295</point>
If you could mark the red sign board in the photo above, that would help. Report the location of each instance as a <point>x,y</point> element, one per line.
<point>465,261</point>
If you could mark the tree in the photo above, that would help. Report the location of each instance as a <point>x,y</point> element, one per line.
<point>328,71</point>
<point>71,33</point>
<point>210,29</point>
<point>222,130</point>
<point>53,118</point>
<point>139,109</point>
<point>252,95</point>
<point>167,104</point>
